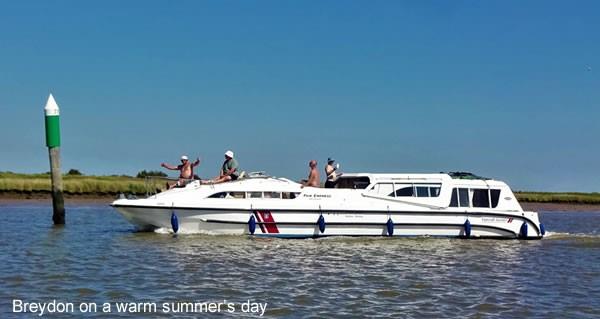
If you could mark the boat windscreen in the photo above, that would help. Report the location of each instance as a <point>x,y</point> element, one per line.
<point>353,182</point>
<point>466,175</point>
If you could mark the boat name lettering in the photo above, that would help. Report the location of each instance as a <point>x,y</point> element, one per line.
<point>493,220</point>
<point>317,195</point>
<point>353,216</point>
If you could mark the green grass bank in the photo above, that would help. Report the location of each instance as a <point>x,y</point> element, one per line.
<point>566,198</point>
<point>15,183</point>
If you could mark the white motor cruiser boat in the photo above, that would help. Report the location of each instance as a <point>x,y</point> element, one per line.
<point>361,204</point>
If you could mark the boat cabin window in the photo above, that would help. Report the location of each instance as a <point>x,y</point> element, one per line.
<point>254,194</point>
<point>228,195</point>
<point>237,194</point>
<point>422,191</point>
<point>454,198</point>
<point>463,197</point>
<point>360,182</point>
<point>218,195</point>
<point>384,189</point>
<point>272,195</point>
<point>480,197</point>
<point>486,197</point>
<point>495,195</point>
<point>414,190</point>
<point>277,195</point>
<point>403,191</point>
<point>460,197</point>
<point>289,195</point>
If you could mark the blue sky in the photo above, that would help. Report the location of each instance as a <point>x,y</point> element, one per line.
<point>506,89</point>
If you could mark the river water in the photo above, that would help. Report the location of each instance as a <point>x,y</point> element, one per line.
<point>99,259</point>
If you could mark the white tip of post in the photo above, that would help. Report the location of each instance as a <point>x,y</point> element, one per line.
<point>51,107</point>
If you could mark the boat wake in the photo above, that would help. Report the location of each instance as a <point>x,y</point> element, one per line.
<point>169,231</point>
<point>163,230</point>
<point>564,235</point>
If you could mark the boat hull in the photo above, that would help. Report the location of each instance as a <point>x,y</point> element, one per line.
<point>305,223</point>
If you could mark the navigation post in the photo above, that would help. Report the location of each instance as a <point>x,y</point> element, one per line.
<point>52,119</point>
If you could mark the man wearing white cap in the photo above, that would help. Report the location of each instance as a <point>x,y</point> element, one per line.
<point>230,170</point>
<point>186,171</point>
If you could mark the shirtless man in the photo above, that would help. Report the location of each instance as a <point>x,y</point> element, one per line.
<point>313,175</point>
<point>186,171</point>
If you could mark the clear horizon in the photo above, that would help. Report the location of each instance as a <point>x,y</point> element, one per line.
<point>503,89</point>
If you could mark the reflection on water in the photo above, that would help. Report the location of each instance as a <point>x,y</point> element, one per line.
<point>99,257</point>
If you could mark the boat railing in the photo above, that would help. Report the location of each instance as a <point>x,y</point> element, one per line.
<point>157,184</point>
<point>258,174</point>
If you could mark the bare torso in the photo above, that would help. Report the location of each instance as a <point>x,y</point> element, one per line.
<point>185,170</point>
<point>313,178</point>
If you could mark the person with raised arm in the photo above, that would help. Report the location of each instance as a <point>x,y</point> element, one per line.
<point>186,171</point>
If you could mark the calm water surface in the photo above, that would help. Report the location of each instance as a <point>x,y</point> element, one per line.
<point>99,257</point>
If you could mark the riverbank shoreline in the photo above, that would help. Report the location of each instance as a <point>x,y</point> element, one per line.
<point>7,198</point>
<point>12,198</point>
<point>559,207</point>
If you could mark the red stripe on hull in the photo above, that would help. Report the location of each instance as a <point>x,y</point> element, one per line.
<point>260,222</point>
<point>269,223</point>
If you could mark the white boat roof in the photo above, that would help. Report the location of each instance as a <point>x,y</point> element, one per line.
<point>424,178</point>
<point>392,176</point>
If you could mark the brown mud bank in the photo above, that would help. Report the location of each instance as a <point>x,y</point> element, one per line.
<point>560,207</point>
<point>44,197</point>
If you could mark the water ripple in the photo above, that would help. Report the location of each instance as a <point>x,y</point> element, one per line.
<point>97,257</point>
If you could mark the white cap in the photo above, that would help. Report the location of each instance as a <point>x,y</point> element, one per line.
<point>51,107</point>
<point>229,154</point>
<point>183,157</point>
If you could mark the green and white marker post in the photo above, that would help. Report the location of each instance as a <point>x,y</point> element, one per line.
<point>52,116</point>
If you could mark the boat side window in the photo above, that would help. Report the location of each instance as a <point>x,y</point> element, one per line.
<point>454,198</point>
<point>384,189</point>
<point>403,190</point>
<point>237,194</point>
<point>418,190</point>
<point>463,197</point>
<point>218,195</point>
<point>495,196</point>
<point>422,191</point>
<point>481,198</point>
<point>254,194</point>
<point>289,195</point>
<point>272,195</point>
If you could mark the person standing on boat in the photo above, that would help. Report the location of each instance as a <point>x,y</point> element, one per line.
<point>186,171</point>
<point>230,170</point>
<point>330,172</point>
<point>313,176</point>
